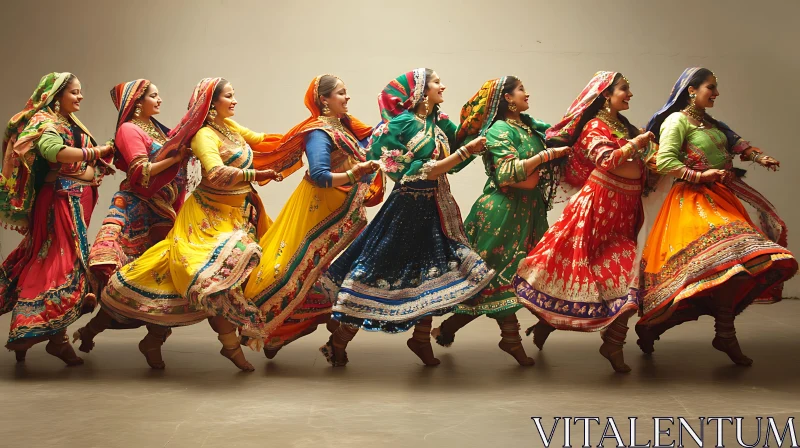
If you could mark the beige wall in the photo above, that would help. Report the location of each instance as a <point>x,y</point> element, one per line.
<point>271,50</point>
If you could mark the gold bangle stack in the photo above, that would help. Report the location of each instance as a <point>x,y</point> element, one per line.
<point>351,176</point>
<point>249,175</point>
<point>690,175</point>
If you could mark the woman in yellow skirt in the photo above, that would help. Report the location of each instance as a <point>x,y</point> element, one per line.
<point>705,254</point>
<point>198,270</point>
<point>322,217</point>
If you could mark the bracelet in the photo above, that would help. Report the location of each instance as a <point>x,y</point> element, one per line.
<point>249,175</point>
<point>690,175</point>
<point>351,176</point>
<point>463,153</point>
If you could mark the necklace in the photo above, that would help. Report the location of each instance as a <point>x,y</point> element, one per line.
<point>612,122</point>
<point>520,125</point>
<point>226,131</point>
<point>334,123</point>
<point>150,129</point>
<point>696,113</point>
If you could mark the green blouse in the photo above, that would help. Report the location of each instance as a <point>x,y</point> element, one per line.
<point>683,144</point>
<point>408,146</point>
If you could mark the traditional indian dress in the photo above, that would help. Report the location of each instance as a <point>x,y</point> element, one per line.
<point>505,222</point>
<point>704,236</point>
<point>413,260</point>
<point>314,226</point>
<point>44,282</point>
<point>198,270</point>
<point>143,211</point>
<point>581,275</point>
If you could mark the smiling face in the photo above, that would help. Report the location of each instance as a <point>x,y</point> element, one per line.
<point>150,102</point>
<point>70,97</point>
<point>621,96</point>
<point>519,97</point>
<point>434,90</point>
<point>225,104</point>
<point>337,100</point>
<point>706,93</point>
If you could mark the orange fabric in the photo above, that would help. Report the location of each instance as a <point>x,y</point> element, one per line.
<point>292,144</point>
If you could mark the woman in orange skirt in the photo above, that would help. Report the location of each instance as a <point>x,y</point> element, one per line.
<point>705,254</point>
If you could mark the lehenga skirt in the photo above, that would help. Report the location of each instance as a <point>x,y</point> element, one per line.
<point>411,261</point>
<point>314,226</point>
<point>44,281</point>
<point>582,275</point>
<point>502,227</point>
<point>198,270</point>
<point>702,238</point>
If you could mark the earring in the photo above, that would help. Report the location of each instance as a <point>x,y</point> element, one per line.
<point>325,109</point>
<point>607,105</point>
<point>512,107</point>
<point>57,106</point>
<point>692,96</point>
<point>137,112</point>
<point>212,114</point>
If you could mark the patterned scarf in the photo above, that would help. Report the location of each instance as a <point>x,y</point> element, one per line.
<point>19,176</point>
<point>564,132</point>
<point>402,94</point>
<point>480,111</point>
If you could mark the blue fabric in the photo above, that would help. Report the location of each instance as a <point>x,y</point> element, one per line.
<point>654,125</point>
<point>403,264</point>
<point>318,150</point>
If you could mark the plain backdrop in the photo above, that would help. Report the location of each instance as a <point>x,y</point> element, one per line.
<point>271,50</point>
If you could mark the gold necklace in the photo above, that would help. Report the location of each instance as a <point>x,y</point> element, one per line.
<point>695,112</point>
<point>520,124</point>
<point>333,122</point>
<point>150,129</point>
<point>613,122</point>
<point>226,131</point>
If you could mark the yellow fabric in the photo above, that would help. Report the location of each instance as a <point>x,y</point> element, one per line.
<point>688,213</point>
<point>304,210</point>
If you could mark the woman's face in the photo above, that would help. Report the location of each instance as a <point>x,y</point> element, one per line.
<point>70,98</point>
<point>706,93</point>
<point>519,97</point>
<point>150,102</point>
<point>225,105</point>
<point>337,100</point>
<point>621,96</point>
<point>435,90</point>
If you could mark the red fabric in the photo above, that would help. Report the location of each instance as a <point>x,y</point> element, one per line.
<point>132,142</point>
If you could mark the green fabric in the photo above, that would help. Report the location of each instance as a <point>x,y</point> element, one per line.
<point>49,145</point>
<point>405,145</point>
<point>505,223</point>
<point>683,144</point>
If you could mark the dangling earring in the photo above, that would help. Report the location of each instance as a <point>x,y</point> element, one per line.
<point>424,103</point>
<point>607,105</point>
<point>138,111</point>
<point>212,113</point>
<point>57,106</point>
<point>325,109</point>
<point>692,96</point>
<point>512,107</point>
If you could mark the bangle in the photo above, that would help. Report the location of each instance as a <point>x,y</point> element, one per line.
<point>690,175</point>
<point>351,176</point>
<point>249,175</point>
<point>463,153</point>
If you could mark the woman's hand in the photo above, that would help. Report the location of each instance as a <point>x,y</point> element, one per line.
<point>768,162</point>
<point>476,146</point>
<point>262,175</point>
<point>364,168</point>
<point>714,175</point>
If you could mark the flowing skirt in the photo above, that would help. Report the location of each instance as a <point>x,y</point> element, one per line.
<point>314,226</point>
<point>502,227</point>
<point>412,261</point>
<point>582,274</point>
<point>198,270</point>
<point>43,282</point>
<point>702,238</point>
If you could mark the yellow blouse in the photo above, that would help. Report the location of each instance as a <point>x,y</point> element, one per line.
<point>222,159</point>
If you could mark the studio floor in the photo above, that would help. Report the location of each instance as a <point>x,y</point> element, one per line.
<point>477,397</point>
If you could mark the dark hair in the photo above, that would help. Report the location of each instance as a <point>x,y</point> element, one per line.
<point>682,101</point>
<point>512,82</point>
<point>326,85</point>
<point>595,107</point>
<point>218,89</point>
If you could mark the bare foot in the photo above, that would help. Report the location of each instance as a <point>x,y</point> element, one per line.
<point>424,351</point>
